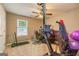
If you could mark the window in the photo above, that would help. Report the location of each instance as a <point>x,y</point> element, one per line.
<point>22,27</point>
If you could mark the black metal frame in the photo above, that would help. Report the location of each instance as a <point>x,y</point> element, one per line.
<point>44,11</point>
<point>51,52</point>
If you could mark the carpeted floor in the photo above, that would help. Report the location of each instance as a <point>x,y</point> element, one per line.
<point>28,50</point>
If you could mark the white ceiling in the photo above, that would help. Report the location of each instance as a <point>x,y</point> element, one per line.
<point>26,9</point>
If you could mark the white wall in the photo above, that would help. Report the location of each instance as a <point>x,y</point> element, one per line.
<point>71,20</point>
<point>2,29</point>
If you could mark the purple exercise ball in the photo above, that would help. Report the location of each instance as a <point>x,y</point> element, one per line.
<point>74,45</point>
<point>75,35</point>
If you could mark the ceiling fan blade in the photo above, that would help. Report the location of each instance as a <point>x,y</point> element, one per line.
<point>39,4</point>
<point>37,16</point>
<point>48,13</point>
<point>34,12</point>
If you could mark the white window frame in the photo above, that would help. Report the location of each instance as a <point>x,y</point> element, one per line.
<point>22,30</point>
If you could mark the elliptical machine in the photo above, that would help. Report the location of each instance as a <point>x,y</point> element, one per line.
<point>46,32</point>
<point>65,47</point>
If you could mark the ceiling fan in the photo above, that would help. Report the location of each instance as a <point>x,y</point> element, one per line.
<point>40,13</point>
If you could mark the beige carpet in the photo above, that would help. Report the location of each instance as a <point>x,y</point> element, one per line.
<point>28,50</point>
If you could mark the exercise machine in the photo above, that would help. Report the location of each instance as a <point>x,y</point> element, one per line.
<point>17,43</point>
<point>66,46</point>
<point>46,32</point>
